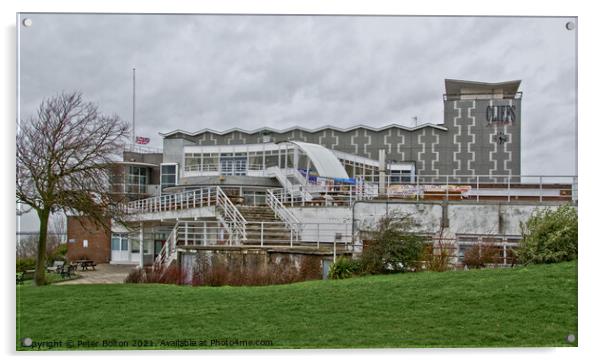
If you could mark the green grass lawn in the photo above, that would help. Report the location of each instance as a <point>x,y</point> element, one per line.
<point>529,306</point>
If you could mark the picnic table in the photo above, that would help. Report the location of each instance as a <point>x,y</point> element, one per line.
<point>86,263</point>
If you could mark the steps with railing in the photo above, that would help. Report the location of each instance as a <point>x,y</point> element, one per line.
<point>283,213</point>
<point>231,218</point>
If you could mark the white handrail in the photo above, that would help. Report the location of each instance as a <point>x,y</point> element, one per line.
<point>176,201</point>
<point>282,212</point>
<point>166,254</point>
<point>233,219</point>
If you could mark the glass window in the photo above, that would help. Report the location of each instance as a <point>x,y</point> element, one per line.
<point>233,165</point>
<point>135,246</point>
<point>115,242</point>
<point>136,179</point>
<point>168,175</point>
<point>210,162</point>
<point>124,243</point>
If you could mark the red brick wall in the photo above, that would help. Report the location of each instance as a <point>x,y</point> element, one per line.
<point>99,240</point>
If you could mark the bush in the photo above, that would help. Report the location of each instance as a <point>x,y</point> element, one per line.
<point>478,256</point>
<point>392,247</point>
<point>549,236</point>
<point>169,275</point>
<point>437,257</point>
<point>58,253</point>
<point>343,268</point>
<point>24,264</point>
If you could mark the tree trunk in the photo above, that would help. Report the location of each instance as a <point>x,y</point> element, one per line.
<point>40,275</point>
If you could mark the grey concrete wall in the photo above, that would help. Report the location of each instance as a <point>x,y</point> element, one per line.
<point>458,218</point>
<point>194,264</point>
<point>173,150</point>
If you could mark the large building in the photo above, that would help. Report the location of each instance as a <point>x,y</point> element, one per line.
<point>299,187</point>
<point>480,135</point>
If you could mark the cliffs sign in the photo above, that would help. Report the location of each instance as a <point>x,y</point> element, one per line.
<point>501,114</point>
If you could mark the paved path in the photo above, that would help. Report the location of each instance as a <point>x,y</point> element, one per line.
<point>104,273</point>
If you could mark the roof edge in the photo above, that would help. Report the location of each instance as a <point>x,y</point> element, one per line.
<point>326,127</point>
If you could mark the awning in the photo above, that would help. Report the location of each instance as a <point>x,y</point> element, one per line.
<point>326,163</point>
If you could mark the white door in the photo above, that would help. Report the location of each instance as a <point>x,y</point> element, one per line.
<point>120,248</point>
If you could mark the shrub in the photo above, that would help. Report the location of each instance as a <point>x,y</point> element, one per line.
<point>549,236</point>
<point>343,268</point>
<point>437,257</point>
<point>217,273</point>
<point>136,275</point>
<point>478,256</point>
<point>57,253</point>
<point>24,264</point>
<point>169,275</point>
<point>392,248</point>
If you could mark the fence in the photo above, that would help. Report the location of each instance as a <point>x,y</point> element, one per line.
<point>435,187</point>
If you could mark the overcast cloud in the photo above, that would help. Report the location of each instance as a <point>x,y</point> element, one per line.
<point>219,72</point>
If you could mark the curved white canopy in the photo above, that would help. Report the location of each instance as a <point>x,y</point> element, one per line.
<point>327,164</point>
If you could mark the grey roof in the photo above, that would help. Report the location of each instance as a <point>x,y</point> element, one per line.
<point>453,87</point>
<point>326,127</point>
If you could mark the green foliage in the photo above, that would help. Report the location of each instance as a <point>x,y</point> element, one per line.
<point>549,236</point>
<point>58,253</point>
<point>343,268</point>
<point>392,247</point>
<point>24,264</point>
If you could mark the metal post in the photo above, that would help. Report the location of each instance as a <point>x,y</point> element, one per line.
<point>447,187</point>
<point>318,237</point>
<point>186,233</point>
<point>334,250</point>
<point>478,192</point>
<point>261,238</point>
<point>417,188</point>
<point>291,237</point>
<point>141,244</point>
<point>508,188</point>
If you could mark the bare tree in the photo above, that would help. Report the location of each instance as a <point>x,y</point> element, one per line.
<point>64,155</point>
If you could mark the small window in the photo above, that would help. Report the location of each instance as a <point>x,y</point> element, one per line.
<point>169,173</point>
<point>85,243</point>
<point>115,243</point>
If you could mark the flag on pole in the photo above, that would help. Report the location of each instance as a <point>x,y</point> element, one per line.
<point>142,140</point>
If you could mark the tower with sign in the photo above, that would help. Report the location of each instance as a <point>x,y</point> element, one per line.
<point>484,124</point>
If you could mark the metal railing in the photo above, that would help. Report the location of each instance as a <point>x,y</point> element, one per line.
<point>168,252</point>
<point>283,213</point>
<point>325,237</point>
<point>201,197</point>
<point>484,95</point>
<point>436,187</point>
<point>224,168</point>
<point>230,216</point>
<point>137,148</point>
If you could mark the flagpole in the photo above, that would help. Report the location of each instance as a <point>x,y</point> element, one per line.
<point>133,106</point>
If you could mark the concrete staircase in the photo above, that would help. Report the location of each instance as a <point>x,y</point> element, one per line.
<point>264,227</point>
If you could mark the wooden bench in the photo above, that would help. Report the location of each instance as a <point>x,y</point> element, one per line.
<point>88,264</point>
<point>55,266</point>
<point>67,271</point>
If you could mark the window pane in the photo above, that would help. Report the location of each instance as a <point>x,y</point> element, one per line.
<point>115,243</point>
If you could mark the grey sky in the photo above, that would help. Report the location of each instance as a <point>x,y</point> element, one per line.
<point>199,71</point>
